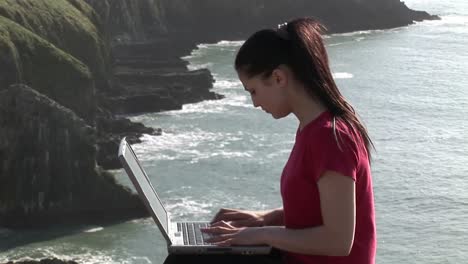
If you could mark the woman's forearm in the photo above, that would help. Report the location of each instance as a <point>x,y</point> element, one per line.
<point>311,241</point>
<point>274,217</point>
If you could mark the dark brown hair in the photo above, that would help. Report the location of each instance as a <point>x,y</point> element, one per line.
<point>299,45</point>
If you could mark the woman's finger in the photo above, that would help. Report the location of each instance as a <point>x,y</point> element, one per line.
<point>219,214</point>
<point>225,243</point>
<point>219,238</point>
<point>242,223</point>
<point>227,215</point>
<point>222,224</point>
<point>218,230</point>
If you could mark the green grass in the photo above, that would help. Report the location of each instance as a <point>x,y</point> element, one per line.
<point>70,25</point>
<point>43,66</point>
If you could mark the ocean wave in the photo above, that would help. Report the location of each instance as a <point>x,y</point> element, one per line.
<point>183,145</point>
<point>194,156</point>
<point>226,43</point>
<point>182,207</point>
<point>193,67</point>
<point>357,33</point>
<point>227,83</point>
<point>199,52</point>
<point>447,20</point>
<point>205,107</point>
<point>188,208</point>
<point>342,75</point>
<point>93,229</point>
<point>336,44</point>
<point>86,256</point>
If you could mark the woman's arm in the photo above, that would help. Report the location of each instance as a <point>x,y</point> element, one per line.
<point>334,238</point>
<point>274,217</point>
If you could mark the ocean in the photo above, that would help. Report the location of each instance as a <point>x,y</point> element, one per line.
<point>409,86</point>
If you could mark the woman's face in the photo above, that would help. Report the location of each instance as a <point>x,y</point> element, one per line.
<point>268,94</point>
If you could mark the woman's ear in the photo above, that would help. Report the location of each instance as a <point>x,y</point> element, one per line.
<point>279,76</point>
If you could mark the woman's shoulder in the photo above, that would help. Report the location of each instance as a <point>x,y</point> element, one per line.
<point>332,132</point>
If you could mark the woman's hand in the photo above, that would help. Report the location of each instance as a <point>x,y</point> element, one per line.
<point>224,234</point>
<point>240,218</point>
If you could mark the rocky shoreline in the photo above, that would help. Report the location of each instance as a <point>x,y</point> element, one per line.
<point>85,63</point>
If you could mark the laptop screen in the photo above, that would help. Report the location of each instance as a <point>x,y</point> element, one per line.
<point>142,184</point>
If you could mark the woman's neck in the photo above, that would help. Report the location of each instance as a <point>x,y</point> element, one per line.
<point>305,108</point>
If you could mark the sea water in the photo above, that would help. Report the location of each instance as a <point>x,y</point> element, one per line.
<point>409,86</point>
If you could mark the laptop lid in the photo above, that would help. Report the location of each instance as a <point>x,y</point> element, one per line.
<point>144,187</point>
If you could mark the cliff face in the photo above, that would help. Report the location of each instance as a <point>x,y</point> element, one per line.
<point>28,58</point>
<point>128,20</point>
<point>69,25</point>
<point>54,46</point>
<point>48,168</point>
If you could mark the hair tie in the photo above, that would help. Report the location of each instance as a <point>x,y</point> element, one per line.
<point>282,31</point>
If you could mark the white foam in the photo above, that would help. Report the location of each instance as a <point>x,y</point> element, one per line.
<point>183,206</point>
<point>188,147</point>
<point>356,33</point>
<point>87,256</point>
<point>447,20</point>
<point>342,75</point>
<point>209,106</point>
<point>193,67</point>
<point>336,44</point>
<point>227,84</point>
<point>93,229</point>
<point>225,43</point>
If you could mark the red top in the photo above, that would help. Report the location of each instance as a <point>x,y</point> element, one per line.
<point>316,151</point>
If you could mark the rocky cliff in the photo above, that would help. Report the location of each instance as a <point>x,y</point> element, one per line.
<point>48,167</point>
<point>49,131</point>
<point>84,61</point>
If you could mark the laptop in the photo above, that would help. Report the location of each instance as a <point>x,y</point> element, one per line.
<point>181,237</point>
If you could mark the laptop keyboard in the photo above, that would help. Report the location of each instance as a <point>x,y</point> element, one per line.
<point>192,233</point>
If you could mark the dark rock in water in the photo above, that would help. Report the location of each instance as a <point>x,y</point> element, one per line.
<point>111,131</point>
<point>44,261</point>
<point>150,77</point>
<point>48,170</point>
<point>155,91</point>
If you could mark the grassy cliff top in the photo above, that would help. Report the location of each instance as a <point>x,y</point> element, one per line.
<point>30,59</point>
<point>70,25</point>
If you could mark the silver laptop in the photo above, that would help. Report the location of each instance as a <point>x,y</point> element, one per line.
<point>181,237</point>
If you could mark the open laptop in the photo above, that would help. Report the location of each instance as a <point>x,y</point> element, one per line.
<point>181,237</point>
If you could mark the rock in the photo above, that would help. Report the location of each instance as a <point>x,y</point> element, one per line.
<point>111,131</point>
<point>48,167</point>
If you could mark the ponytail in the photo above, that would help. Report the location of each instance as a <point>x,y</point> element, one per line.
<point>299,45</point>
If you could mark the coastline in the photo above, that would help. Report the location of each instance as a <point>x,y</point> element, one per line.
<point>136,67</point>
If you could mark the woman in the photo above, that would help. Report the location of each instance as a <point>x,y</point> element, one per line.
<point>326,186</point>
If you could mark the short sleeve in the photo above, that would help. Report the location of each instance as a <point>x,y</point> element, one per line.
<point>336,153</point>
